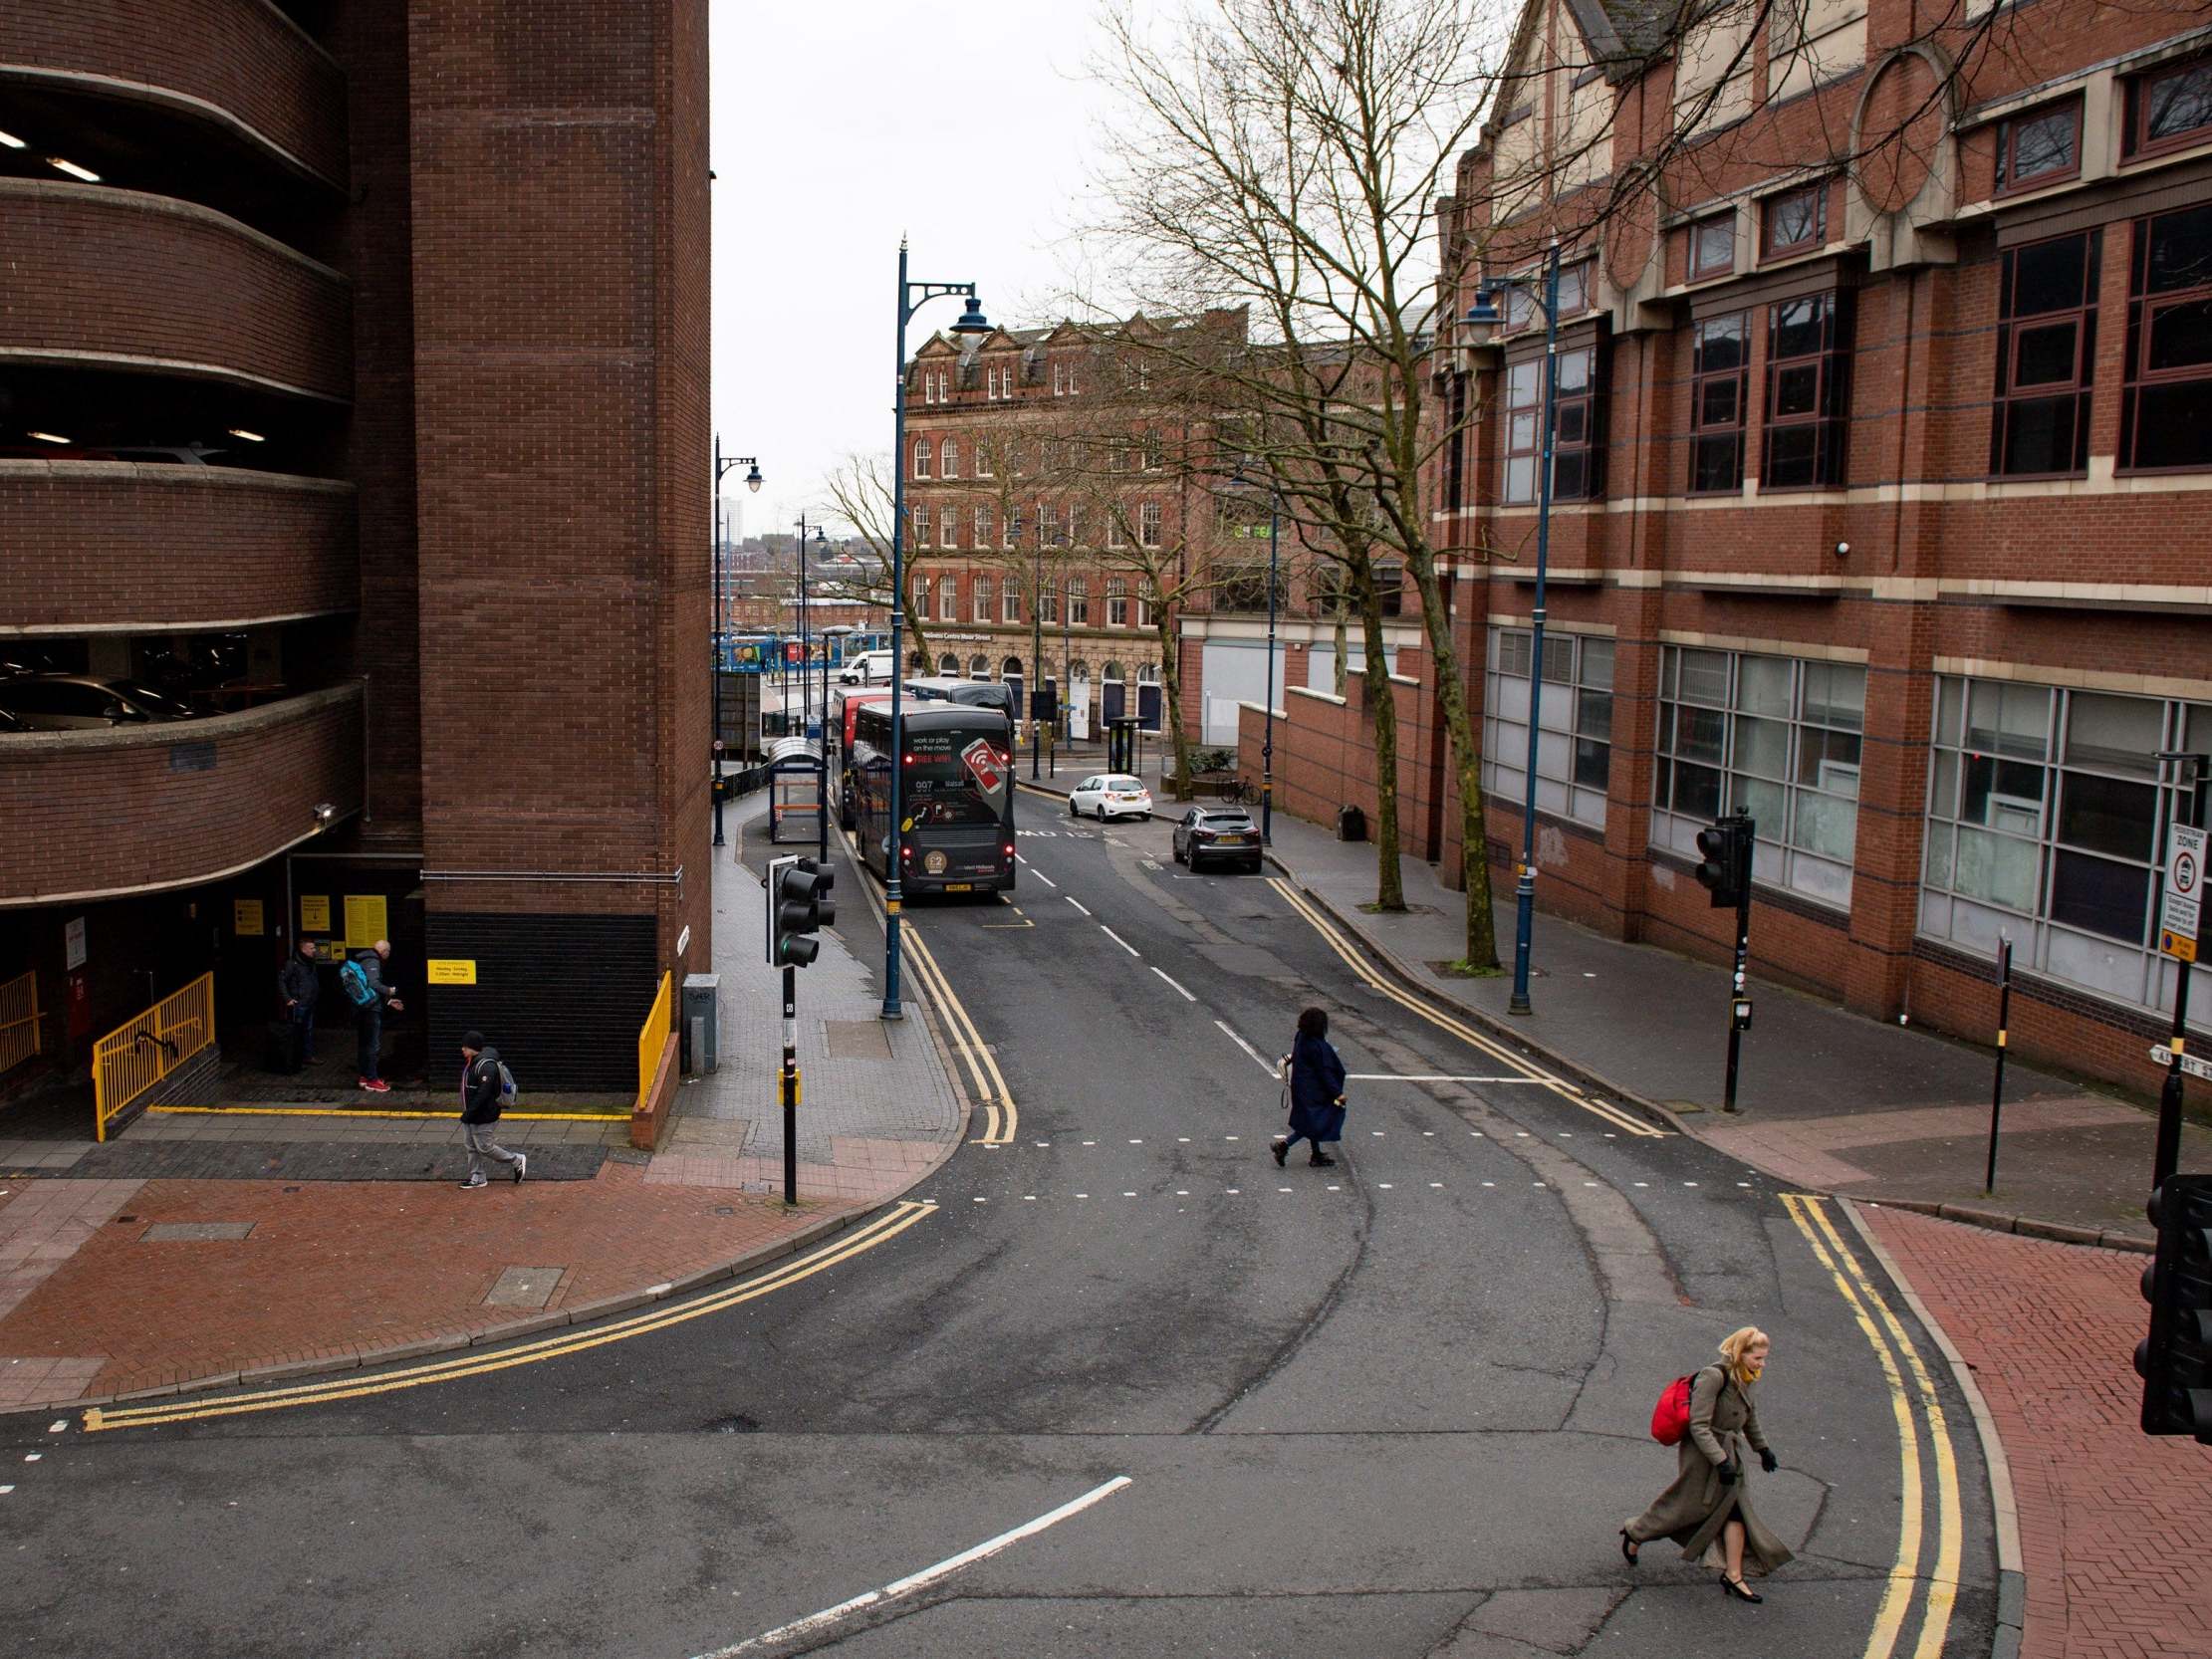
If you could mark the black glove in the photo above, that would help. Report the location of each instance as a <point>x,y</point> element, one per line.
<point>1728,1473</point>
<point>1769,1461</point>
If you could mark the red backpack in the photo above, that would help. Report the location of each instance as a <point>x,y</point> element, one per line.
<point>1670,1418</point>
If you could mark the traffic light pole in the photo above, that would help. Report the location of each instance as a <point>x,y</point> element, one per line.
<point>789,1085</point>
<point>1735,1012</point>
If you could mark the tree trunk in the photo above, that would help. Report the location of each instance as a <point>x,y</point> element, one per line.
<point>1340,653</point>
<point>1171,687</point>
<point>1482,931</point>
<point>1382,711</point>
<point>916,639</point>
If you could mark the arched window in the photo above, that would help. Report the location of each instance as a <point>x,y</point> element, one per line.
<point>922,454</point>
<point>916,663</point>
<point>950,456</point>
<point>979,667</point>
<point>1079,672</point>
<point>1149,674</point>
<point>1114,670</point>
<point>1011,668</point>
<point>948,664</point>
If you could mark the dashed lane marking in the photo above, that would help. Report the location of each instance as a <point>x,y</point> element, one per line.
<point>1117,939</point>
<point>1179,990</point>
<point>879,1229</point>
<point>1076,902</point>
<point>1246,1047</point>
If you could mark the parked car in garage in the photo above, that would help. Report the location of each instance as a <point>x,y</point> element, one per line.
<point>79,702</point>
<point>1218,834</point>
<point>1110,794</point>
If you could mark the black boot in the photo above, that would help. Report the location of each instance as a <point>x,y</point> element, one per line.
<point>1321,1160</point>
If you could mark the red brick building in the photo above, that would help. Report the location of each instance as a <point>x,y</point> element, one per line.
<point>434,283</point>
<point>1883,436</point>
<point>1038,473</point>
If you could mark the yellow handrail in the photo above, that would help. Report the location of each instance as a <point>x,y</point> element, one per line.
<point>19,1022</point>
<point>139,1052</point>
<point>653,1036</point>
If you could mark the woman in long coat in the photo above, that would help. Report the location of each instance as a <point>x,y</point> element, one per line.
<point>1317,1090</point>
<point>1707,1511</point>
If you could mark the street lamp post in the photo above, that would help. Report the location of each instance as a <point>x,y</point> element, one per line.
<point>806,689</point>
<point>1267,738</point>
<point>753,482</point>
<point>911,297</point>
<point>1484,311</point>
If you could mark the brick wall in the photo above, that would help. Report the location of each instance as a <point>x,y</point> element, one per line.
<point>222,793</point>
<point>100,270</point>
<point>560,304</point>
<point>244,57</point>
<point>94,545</point>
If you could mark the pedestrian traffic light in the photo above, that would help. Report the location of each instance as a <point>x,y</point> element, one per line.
<point>798,904</point>
<point>2175,1360</point>
<point>1726,849</point>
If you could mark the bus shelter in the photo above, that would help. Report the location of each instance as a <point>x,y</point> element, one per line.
<point>798,792</point>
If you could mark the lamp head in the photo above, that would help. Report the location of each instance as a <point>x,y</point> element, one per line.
<point>1483,313</point>
<point>753,479</point>
<point>972,320</point>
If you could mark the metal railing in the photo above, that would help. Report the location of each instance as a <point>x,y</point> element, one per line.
<point>19,1022</point>
<point>653,1036</point>
<point>139,1052</point>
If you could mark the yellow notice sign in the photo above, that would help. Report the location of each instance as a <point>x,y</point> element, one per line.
<point>245,917</point>
<point>364,919</point>
<point>315,912</point>
<point>451,971</point>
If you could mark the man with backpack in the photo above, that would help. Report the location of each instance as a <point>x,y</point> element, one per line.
<point>486,1088</point>
<point>363,981</point>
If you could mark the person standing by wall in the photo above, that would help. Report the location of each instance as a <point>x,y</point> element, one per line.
<point>298,986</point>
<point>484,1087</point>
<point>1316,1092</point>
<point>365,988</point>
<point>1707,1511</point>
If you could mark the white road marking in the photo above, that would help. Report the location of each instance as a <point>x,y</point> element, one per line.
<point>926,1576</point>
<point>1078,903</point>
<point>1117,939</point>
<point>1186,996</point>
<point>1426,1077</point>
<point>1042,876</point>
<point>1246,1047</point>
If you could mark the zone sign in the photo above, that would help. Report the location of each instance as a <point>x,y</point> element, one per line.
<point>2183,907</point>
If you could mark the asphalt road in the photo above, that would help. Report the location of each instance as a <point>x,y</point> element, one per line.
<point>1394,1408</point>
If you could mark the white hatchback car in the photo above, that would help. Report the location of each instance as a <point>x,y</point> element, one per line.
<point>1110,794</point>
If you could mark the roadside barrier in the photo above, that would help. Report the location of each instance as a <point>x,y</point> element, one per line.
<point>19,1022</point>
<point>657,1031</point>
<point>139,1052</point>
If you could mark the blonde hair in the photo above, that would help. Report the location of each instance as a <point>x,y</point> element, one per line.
<point>1735,1345</point>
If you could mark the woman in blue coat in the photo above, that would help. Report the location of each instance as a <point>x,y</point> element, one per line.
<point>1317,1090</point>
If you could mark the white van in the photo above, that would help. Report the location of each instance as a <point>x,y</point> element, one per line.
<point>868,669</point>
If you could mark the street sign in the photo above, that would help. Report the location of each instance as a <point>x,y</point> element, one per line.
<point>2179,915</point>
<point>2194,1064</point>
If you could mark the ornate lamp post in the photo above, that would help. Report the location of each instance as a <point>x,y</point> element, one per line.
<point>911,297</point>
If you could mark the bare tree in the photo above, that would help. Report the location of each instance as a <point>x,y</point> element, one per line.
<point>859,490</point>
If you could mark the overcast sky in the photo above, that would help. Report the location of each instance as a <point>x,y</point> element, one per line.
<point>838,124</point>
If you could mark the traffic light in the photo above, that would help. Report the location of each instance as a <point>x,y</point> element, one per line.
<point>2175,1360</point>
<point>798,904</point>
<point>1726,872</point>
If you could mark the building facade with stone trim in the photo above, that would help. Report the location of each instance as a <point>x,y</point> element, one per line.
<point>1883,438</point>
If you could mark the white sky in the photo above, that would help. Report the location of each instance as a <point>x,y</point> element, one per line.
<point>837,125</point>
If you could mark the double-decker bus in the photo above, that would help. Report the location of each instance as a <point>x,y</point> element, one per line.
<point>956,783</point>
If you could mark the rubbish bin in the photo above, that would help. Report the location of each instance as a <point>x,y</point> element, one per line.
<point>1351,824</point>
<point>700,1037</point>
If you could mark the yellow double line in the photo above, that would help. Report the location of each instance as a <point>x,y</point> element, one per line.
<point>879,1229</point>
<point>1001,1120</point>
<point>1909,1386</point>
<point>1375,980</point>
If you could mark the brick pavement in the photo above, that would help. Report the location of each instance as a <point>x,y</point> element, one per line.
<point>338,1271</point>
<point>2111,1522</point>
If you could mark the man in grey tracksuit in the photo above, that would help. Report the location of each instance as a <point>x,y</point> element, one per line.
<point>480,1105</point>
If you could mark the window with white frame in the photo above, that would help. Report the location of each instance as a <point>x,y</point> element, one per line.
<point>1117,602</point>
<point>923,520</point>
<point>1148,523</point>
<point>948,456</point>
<point>1060,380</point>
<point>983,599</point>
<point>1574,749</point>
<point>1117,537</point>
<point>985,526</point>
<point>948,526</point>
<point>986,458</point>
<point>948,598</point>
<point>1048,604</point>
<point>2047,821</point>
<point>1778,737</point>
<point>1147,606</point>
<point>1079,602</point>
<point>1011,601</point>
<point>924,453</point>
